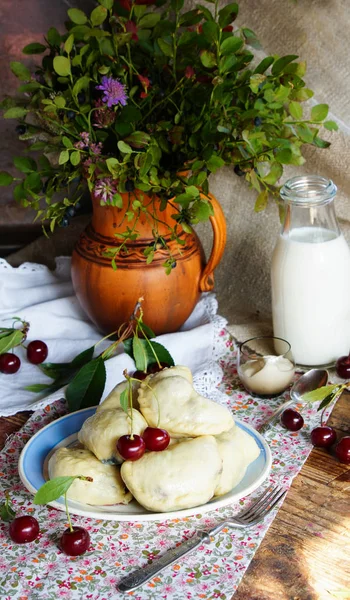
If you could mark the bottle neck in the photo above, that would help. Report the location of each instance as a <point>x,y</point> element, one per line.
<point>321,220</point>
<point>309,208</point>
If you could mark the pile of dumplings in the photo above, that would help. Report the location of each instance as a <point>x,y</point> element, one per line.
<point>207,456</point>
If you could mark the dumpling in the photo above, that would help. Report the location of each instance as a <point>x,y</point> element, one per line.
<point>237,450</point>
<point>113,398</point>
<point>168,400</point>
<point>184,475</point>
<point>101,431</point>
<point>107,486</point>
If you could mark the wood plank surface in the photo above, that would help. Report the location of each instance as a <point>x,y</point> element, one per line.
<point>306,552</point>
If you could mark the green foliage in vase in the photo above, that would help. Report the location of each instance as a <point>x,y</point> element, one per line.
<point>134,94</point>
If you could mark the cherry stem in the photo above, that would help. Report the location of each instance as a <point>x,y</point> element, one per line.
<point>67,513</point>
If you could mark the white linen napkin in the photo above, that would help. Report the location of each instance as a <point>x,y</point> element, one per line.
<point>46,299</point>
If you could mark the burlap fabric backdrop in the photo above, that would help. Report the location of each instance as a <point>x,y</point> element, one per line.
<point>316,30</point>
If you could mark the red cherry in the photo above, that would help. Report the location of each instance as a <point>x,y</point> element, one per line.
<point>140,375</point>
<point>342,450</point>
<point>292,420</point>
<point>24,529</point>
<point>342,367</point>
<point>131,448</point>
<point>323,436</point>
<point>155,368</point>
<point>9,363</point>
<point>75,542</point>
<point>37,352</point>
<point>156,439</point>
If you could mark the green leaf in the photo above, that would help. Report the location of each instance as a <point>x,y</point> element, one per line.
<point>140,355</point>
<point>162,353</point>
<point>319,112</point>
<point>53,489</point>
<point>208,59</point>
<point>201,211</point>
<point>36,388</point>
<point>25,164</point>
<point>166,48</point>
<point>20,71</point>
<point>61,64</point>
<point>75,158</point>
<point>320,143</point>
<point>296,110</point>
<point>280,63</point>
<point>98,15</point>
<point>123,147</point>
<point>319,394</point>
<point>63,157</point>
<point>68,45</point>
<point>81,84</point>
<point>228,14</point>
<point>210,31</point>
<point>331,125</point>
<point>107,4</point>
<point>261,201</point>
<point>34,48</point>
<point>60,101</point>
<point>231,45</point>
<point>214,163</point>
<point>117,200</point>
<point>87,386</point>
<point>29,87</point>
<point>16,112</point>
<point>11,340</point>
<point>264,64</point>
<point>284,156</point>
<point>6,512</point>
<point>124,400</point>
<point>5,178</point>
<point>251,38</point>
<point>83,358</point>
<point>276,171</point>
<point>66,142</point>
<point>149,21</point>
<point>53,37</point>
<point>77,16</point>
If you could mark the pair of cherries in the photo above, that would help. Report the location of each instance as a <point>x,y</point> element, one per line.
<point>132,447</point>
<point>37,352</point>
<point>25,529</point>
<point>321,437</point>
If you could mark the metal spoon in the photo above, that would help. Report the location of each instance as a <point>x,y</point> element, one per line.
<point>313,379</point>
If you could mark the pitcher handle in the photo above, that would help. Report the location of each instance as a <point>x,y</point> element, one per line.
<point>218,223</point>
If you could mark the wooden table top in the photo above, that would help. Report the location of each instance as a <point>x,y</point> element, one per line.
<point>306,553</point>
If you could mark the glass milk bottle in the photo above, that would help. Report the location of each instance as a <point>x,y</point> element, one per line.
<point>310,274</point>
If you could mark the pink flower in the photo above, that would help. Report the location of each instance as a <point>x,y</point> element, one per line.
<point>105,189</point>
<point>189,72</point>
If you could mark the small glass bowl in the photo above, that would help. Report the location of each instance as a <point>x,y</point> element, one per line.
<point>265,366</point>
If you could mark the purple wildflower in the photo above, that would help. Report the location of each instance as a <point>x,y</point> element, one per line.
<point>104,190</point>
<point>86,145</point>
<point>114,91</point>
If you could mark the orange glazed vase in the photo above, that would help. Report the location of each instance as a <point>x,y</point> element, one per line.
<point>108,296</point>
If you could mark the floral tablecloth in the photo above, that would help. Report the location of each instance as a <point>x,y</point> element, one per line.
<point>41,571</point>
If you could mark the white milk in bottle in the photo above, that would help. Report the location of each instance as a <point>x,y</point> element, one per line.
<point>310,275</point>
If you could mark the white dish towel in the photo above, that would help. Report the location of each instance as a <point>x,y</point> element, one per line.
<point>46,299</point>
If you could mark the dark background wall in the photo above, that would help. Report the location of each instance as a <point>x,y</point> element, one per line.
<point>22,22</point>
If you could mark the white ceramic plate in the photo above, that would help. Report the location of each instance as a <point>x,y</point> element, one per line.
<point>33,461</point>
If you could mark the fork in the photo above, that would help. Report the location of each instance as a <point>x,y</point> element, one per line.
<point>246,518</point>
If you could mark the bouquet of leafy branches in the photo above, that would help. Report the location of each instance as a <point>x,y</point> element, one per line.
<point>135,93</point>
